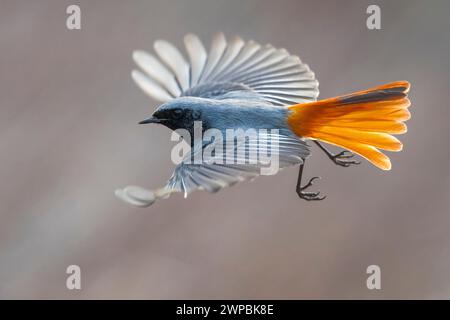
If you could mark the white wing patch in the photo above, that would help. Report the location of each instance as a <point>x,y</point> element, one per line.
<point>280,78</point>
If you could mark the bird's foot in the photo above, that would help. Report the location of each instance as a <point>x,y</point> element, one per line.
<point>309,196</point>
<point>344,158</point>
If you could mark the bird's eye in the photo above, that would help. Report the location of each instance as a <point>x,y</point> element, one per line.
<point>196,115</point>
<point>177,113</point>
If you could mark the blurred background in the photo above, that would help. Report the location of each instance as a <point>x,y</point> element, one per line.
<point>69,137</point>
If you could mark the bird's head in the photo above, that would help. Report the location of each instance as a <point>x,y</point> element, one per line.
<point>179,113</point>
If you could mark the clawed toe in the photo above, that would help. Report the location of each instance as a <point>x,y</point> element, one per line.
<point>309,196</point>
<point>310,183</point>
<point>343,159</point>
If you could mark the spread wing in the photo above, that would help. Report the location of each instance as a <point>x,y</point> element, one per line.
<point>273,74</point>
<point>211,176</point>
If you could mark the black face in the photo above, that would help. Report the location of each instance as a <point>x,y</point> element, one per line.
<point>177,118</point>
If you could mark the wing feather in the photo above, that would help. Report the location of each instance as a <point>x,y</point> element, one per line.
<point>150,87</point>
<point>218,46</point>
<point>212,176</point>
<point>247,52</point>
<point>175,60</point>
<point>230,54</point>
<point>157,71</point>
<point>272,74</point>
<point>197,55</point>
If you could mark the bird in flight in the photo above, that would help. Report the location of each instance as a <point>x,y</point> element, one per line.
<point>242,85</point>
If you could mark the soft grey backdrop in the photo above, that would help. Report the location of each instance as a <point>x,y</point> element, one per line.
<point>69,137</point>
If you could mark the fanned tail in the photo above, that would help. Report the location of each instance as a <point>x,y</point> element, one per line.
<point>362,122</point>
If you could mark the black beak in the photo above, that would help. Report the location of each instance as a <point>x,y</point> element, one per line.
<point>151,120</point>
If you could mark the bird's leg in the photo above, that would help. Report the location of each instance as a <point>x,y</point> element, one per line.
<point>342,158</point>
<point>309,196</point>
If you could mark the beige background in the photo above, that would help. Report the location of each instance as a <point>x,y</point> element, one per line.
<point>69,137</point>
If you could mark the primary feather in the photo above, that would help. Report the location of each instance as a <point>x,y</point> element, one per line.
<point>276,76</point>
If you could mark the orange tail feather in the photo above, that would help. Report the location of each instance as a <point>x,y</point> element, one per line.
<point>362,122</point>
